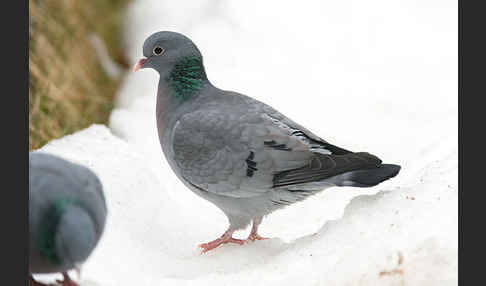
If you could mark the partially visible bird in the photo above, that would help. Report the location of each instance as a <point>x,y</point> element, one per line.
<point>67,214</point>
<point>239,153</point>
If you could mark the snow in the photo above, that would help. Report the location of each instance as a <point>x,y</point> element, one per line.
<point>376,76</point>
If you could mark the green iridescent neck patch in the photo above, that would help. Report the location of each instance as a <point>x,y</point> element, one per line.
<point>186,78</point>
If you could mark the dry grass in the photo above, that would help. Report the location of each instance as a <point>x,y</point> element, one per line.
<point>68,89</point>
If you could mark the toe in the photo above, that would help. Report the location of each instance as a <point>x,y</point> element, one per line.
<point>237,241</point>
<point>254,237</point>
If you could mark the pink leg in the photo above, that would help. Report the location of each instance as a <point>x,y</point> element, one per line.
<point>225,238</point>
<point>254,231</point>
<point>67,281</point>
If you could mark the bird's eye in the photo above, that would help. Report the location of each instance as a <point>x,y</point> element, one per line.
<point>158,51</point>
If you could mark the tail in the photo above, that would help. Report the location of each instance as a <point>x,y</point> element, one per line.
<point>366,177</point>
<point>352,169</point>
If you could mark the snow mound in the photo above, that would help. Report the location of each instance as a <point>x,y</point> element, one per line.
<point>398,235</point>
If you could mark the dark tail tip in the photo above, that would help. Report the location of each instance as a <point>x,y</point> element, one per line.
<point>372,177</point>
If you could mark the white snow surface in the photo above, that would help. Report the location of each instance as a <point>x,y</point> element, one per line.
<point>376,76</point>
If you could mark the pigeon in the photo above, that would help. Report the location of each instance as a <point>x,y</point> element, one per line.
<point>67,214</point>
<point>240,154</point>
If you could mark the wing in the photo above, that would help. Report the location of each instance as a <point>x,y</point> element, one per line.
<point>240,147</point>
<point>219,152</point>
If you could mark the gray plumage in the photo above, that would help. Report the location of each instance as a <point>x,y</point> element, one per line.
<point>67,213</point>
<point>239,153</point>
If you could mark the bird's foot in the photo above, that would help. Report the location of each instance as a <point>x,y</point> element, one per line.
<point>217,242</point>
<point>255,236</point>
<point>254,231</point>
<point>66,281</point>
<point>225,238</point>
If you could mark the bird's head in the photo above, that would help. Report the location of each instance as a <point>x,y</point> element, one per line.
<point>178,62</point>
<point>163,50</point>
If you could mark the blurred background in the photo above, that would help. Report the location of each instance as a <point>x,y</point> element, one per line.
<point>69,88</point>
<point>380,54</point>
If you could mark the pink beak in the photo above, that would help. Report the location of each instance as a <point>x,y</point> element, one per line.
<point>139,65</point>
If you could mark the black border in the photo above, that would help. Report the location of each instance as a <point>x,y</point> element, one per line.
<point>14,128</point>
<point>471,83</point>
